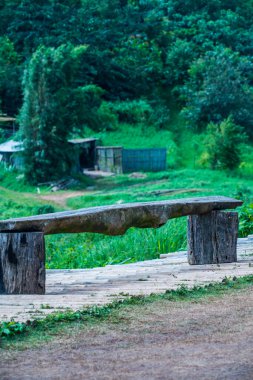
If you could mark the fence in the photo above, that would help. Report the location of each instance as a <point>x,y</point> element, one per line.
<point>150,160</point>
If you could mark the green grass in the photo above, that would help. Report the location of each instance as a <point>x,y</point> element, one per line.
<point>90,250</point>
<point>22,335</point>
<point>93,250</point>
<point>13,202</point>
<point>17,204</point>
<point>17,198</point>
<point>141,136</point>
<point>185,147</point>
<point>13,180</point>
<point>198,182</point>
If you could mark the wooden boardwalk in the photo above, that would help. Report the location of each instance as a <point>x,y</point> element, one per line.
<point>76,289</point>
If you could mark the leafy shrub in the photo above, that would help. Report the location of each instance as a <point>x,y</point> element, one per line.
<point>223,144</point>
<point>45,209</point>
<point>160,116</point>
<point>12,328</point>
<point>139,111</point>
<point>246,220</point>
<point>219,86</point>
<point>135,111</point>
<point>242,192</point>
<point>106,116</point>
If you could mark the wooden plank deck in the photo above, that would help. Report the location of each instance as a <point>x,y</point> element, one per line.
<point>80,288</point>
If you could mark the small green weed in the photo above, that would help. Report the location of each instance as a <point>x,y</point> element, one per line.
<point>8,329</point>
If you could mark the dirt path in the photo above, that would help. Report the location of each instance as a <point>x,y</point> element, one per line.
<point>62,197</point>
<point>163,340</point>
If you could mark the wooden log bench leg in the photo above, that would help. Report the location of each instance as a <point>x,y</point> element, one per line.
<point>22,263</point>
<point>212,238</point>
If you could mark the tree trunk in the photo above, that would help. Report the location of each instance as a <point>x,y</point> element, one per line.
<point>22,263</point>
<point>212,238</point>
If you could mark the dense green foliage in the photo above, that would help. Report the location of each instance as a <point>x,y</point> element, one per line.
<point>10,75</point>
<point>139,73</point>
<point>219,87</point>
<point>54,106</point>
<point>139,62</point>
<point>223,145</point>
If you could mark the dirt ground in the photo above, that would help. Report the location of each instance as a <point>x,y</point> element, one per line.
<point>210,339</point>
<point>61,198</point>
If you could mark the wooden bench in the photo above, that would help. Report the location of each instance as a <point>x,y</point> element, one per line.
<point>212,234</point>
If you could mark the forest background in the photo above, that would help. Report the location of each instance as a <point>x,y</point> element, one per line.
<point>138,73</point>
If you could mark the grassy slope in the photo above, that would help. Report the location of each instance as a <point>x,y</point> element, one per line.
<point>18,199</point>
<point>141,137</point>
<point>90,250</point>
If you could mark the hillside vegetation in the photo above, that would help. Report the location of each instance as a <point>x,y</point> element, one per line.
<point>136,73</point>
<point>91,250</point>
<point>160,68</point>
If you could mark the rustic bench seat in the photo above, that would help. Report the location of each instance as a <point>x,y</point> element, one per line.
<point>212,234</point>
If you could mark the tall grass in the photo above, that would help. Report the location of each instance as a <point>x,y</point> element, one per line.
<point>141,136</point>
<point>93,250</point>
<point>16,197</point>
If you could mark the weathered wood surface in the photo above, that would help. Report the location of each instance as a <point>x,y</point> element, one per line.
<point>212,238</point>
<point>22,263</point>
<point>116,219</point>
<point>78,288</point>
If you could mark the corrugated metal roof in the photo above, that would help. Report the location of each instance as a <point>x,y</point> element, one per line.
<point>17,146</point>
<point>80,141</point>
<point>109,147</point>
<point>11,146</point>
<point>6,119</point>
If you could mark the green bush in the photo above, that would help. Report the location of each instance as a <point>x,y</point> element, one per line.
<point>223,144</point>
<point>45,209</point>
<point>140,111</point>
<point>8,329</point>
<point>246,220</point>
<point>135,111</point>
<point>219,85</point>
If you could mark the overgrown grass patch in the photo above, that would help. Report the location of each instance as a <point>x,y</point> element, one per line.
<point>141,136</point>
<point>93,250</point>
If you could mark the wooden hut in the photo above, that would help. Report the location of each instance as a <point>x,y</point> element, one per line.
<point>84,153</point>
<point>109,159</point>
<point>8,125</point>
<point>11,153</point>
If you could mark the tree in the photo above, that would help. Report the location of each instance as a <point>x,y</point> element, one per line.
<point>223,144</point>
<point>10,72</point>
<point>220,86</point>
<point>55,104</point>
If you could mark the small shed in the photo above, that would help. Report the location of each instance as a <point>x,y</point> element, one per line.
<point>7,125</point>
<point>10,153</point>
<point>119,160</point>
<point>84,153</point>
<point>109,159</point>
<point>146,160</point>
